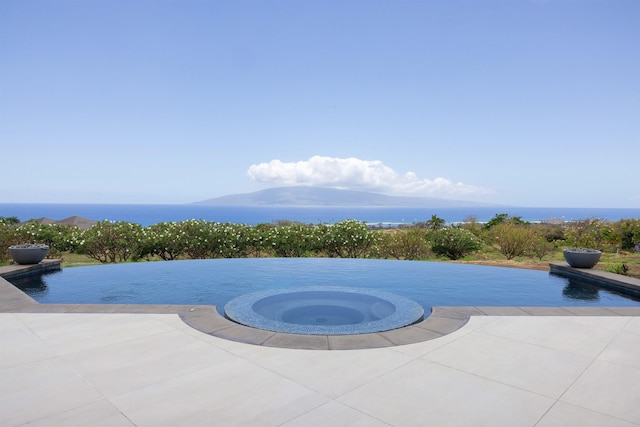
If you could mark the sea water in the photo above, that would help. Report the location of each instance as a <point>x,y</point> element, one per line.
<point>151,214</point>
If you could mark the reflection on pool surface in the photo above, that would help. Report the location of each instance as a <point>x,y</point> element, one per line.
<point>217,281</point>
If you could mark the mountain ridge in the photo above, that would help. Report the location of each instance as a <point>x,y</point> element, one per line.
<point>331,197</point>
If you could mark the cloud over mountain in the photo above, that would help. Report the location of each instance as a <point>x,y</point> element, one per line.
<point>356,174</point>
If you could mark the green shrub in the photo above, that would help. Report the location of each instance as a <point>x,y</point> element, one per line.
<point>196,234</point>
<point>229,240</point>
<point>471,224</point>
<point>56,236</point>
<point>629,230</point>
<point>513,239</point>
<point>347,239</point>
<point>541,248</point>
<point>500,218</point>
<point>590,233</point>
<point>435,223</point>
<point>408,244</point>
<point>164,239</point>
<point>295,240</point>
<point>9,220</point>
<point>618,268</point>
<point>8,237</point>
<point>256,238</point>
<point>109,242</point>
<point>453,242</point>
<point>551,232</point>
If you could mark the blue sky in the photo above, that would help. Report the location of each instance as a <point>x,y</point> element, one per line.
<point>517,102</point>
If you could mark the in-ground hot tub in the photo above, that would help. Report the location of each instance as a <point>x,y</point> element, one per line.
<point>324,310</point>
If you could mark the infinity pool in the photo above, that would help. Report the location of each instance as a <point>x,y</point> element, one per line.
<point>217,281</point>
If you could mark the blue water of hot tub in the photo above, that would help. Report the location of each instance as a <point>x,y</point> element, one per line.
<point>324,310</point>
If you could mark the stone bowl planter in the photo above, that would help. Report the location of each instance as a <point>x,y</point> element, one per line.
<point>28,253</point>
<point>582,257</point>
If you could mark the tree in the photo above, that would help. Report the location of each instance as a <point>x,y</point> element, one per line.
<point>407,244</point>
<point>9,220</point>
<point>435,223</point>
<point>348,239</point>
<point>500,218</point>
<point>629,230</point>
<point>453,242</point>
<point>295,240</point>
<point>164,239</point>
<point>109,242</point>
<point>590,233</point>
<point>56,236</point>
<point>513,239</point>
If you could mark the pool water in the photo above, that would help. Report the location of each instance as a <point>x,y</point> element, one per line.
<point>217,281</point>
<point>323,310</point>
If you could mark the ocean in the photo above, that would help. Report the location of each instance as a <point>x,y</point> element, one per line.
<point>386,216</point>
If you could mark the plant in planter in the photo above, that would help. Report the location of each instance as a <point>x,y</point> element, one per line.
<point>582,257</point>
<point>28,253</point>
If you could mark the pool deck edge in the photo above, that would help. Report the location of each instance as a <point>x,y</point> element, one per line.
<point>206,319</point>
<point>598,277</point>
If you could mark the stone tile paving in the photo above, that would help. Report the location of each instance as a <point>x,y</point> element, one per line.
<point>145,366</point>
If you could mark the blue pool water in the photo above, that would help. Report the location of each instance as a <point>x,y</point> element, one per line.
<point>324,310</point>
<point>217,281</point>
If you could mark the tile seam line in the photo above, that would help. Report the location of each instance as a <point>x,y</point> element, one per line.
<point>536,345</point>
<point>494,380</point>
<point>412,359</point>
<point>586,368</point>
<point>588,409</point>
<point>338,403</point>
<point>155,334</point>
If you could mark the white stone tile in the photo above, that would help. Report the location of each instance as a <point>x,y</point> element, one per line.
<point>331,373</point>
<point>48,320</point>
<point>422,348</point>
<point>132,364</point>
<point>552,332</point>
<point>607,322</point>
<point>72,332</point>
<point>99,414</point>
<point>424,393</point>
<point>36,390</point>
<point>608,388</point>
<point>44,321</point>
<point>624,349</point>
<point>172,320</point>
<point>10,322</point>
<point>335,414</point>
<point>234,347</point>
<point>168,374</point>
<point>633,326</point>
<point>564,415</point>
<point>19,344</point>
<point>234,393</point>
<point>530,367</point>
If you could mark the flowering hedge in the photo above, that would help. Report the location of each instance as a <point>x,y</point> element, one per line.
<point>454,242</point>
<point>118,241</point>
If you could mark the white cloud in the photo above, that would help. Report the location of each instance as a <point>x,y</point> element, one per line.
<point>356,174</point>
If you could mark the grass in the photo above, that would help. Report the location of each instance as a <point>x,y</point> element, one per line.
<point>610,261</point>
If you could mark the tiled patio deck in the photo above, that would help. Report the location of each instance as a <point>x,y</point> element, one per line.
<point>146,369</point>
